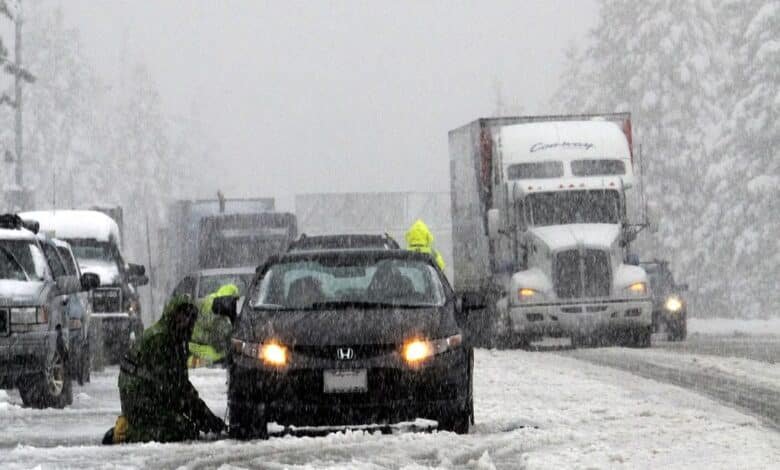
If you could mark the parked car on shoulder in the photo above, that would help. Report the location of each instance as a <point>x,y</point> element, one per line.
<point>35,323</point>
<point>348,337</point>
<point>670,310</point>
<point>95,241</point>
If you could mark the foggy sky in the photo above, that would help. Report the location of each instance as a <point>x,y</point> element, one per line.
<point>304,97</point>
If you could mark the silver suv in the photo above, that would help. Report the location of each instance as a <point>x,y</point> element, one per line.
<point>35,323</point>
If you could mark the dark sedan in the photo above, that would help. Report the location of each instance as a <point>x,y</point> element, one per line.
<point>348,337</point>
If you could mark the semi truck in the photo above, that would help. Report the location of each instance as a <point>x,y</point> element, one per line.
<point>222,233</point>
<point>541,237</point>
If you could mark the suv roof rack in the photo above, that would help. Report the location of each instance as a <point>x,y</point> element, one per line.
<point>14,222</point>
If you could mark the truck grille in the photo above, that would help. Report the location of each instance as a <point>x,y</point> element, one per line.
<point>581,274</point>
<point>107,300</point>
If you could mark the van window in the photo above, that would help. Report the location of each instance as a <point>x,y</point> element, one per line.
<point>57,268</point>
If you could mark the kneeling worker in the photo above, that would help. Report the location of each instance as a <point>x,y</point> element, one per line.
<point>159,403</point>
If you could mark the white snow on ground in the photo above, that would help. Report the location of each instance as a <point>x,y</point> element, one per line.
<point>746,370</point>
<point>533,410</point>
<point>730,326</point>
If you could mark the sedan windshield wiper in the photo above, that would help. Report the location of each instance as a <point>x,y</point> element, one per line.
<point>362,304</point>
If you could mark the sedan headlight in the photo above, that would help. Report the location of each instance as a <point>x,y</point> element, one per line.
<point>415,351</point>
<point>271,353</point>
<point>673,303</point>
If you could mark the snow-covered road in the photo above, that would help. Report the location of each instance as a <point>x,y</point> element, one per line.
<point>533,410</point>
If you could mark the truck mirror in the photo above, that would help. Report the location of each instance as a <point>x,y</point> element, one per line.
<point>632,259</point>
<point>494,223</point>
<point>89,281</point>
<point>136,269</point>
<point>226,307</point>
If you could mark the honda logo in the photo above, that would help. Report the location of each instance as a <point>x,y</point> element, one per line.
<point>345,354</point>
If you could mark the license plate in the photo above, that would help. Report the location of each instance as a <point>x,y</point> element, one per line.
<point>345,381</point>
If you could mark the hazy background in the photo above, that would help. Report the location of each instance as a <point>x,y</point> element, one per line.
<point>333,96</point>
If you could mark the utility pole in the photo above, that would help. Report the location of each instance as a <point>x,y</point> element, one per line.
<point>18,99</point>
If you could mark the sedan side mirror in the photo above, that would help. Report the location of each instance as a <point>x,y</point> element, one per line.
<point>472,301</point>
<point>226,307</point>
<point>89,281</point>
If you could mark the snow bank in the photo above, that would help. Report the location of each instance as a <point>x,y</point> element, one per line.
<point>730,326</point>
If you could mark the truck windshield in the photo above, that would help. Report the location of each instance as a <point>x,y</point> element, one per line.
<point>574,207</point>
<point>26,254</point>
<point>330,283</point>
<point>101,258</point>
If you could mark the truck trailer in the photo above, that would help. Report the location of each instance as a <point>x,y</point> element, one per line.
<point>541,236</point>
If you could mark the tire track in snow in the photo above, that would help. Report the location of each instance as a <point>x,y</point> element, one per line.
<point>760,400</point>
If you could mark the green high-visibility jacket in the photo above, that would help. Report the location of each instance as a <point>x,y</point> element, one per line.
<point>420,239</point>
<point>158,399</point>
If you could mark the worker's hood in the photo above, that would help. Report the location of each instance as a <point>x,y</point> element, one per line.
<point>561,237</point>
<point>351,326</point>
<point>419,235</point>
<point>21,292</point>
<point>107,271</point>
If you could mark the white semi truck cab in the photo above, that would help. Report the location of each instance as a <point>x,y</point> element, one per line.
<point>540,230</point>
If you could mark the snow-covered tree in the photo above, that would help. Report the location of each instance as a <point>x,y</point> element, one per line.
<point>745,201</point>
<point>663,60</point>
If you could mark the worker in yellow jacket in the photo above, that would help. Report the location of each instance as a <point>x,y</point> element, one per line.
<point>211,334</point>
<point>420,239</point>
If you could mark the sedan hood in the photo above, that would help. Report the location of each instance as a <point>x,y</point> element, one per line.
<point>350,326</point>
<point>21,292</point>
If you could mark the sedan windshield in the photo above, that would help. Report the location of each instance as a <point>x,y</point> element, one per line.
<point>333,282</point>
<point>574,207</point>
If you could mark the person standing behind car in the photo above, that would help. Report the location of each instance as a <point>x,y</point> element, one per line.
<point>211,336</point>
<point>159,403</point>
<point>420,239</point>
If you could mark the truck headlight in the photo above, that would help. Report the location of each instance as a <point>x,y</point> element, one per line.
<point>416,351</point>
<point>29,315</point>
<point>637,288</point>
<point>673,303</point>
<point>525,294</point>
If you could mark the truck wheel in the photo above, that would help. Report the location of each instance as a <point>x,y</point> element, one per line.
<point>245,425</point>
<point>454,420</point>
<point>51,388</point>
<point>643,337</point>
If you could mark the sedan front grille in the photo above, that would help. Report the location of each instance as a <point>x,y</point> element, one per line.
<point>582,274</point>
<point>359,352</point>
